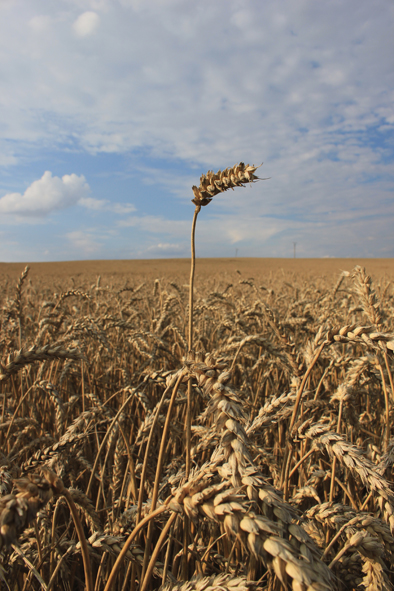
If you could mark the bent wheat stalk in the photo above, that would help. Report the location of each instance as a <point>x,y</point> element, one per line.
<point>190,343</point>
<point>211,184</point>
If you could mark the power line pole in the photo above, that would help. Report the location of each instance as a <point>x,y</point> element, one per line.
<point>294,244</point>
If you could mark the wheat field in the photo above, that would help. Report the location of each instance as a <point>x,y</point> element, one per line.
<point>292,448</point>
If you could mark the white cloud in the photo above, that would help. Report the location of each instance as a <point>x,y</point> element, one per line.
<point>50,194</point>
<point>157,225</point>
<point>40,23</point>
<point>165,249</point>
<point>86,24</point>
<point>122,208</point>
<point>95,204</point>
<point>223,230</point>
<point>209,81</point>
<point>46,195</point>
<point>165,246</point>
<point>305,86</point>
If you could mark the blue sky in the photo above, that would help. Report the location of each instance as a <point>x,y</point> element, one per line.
<point>110,110</point>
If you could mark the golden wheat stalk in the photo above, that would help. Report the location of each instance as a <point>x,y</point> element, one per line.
<point>211,184</point>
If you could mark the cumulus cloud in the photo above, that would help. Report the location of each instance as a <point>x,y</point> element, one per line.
<point>46,195</point>
<point>86,24</point>
<point>51,193</point>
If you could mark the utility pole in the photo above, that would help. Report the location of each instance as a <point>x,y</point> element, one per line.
<point>236,252</point>
<point>294,244</point>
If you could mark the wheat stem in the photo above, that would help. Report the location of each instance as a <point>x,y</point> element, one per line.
<point>192,270</point>
<point>147,450</point>
<point>334,462</point>
<point>127,544</point>
<point>298,464</point>
<point>190,342</point>
<point>287,458</point>
<point>387,407</point>
<point>155,493</point>
<point>84,546</point>
<point>156,551</point>
<point>30,565</point>
<point>104,441</point>
<point>386,361</point>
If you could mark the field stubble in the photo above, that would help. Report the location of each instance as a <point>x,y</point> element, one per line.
<point>292,447</point>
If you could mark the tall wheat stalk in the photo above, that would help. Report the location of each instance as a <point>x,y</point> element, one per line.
<point>190,340</point>
<point>211,184</point>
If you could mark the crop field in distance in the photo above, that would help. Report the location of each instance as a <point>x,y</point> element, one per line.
<point>260,460</point>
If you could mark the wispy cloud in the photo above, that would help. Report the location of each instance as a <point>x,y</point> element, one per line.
<point>163,90</point>
<point>106,205</point>
<point>229,79</point>
<point>156,225</point>
<point>165,250</point>
<point>86,24</point>
<point>84,241</point>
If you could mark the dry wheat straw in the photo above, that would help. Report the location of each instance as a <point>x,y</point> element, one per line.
<point>315,355</point>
